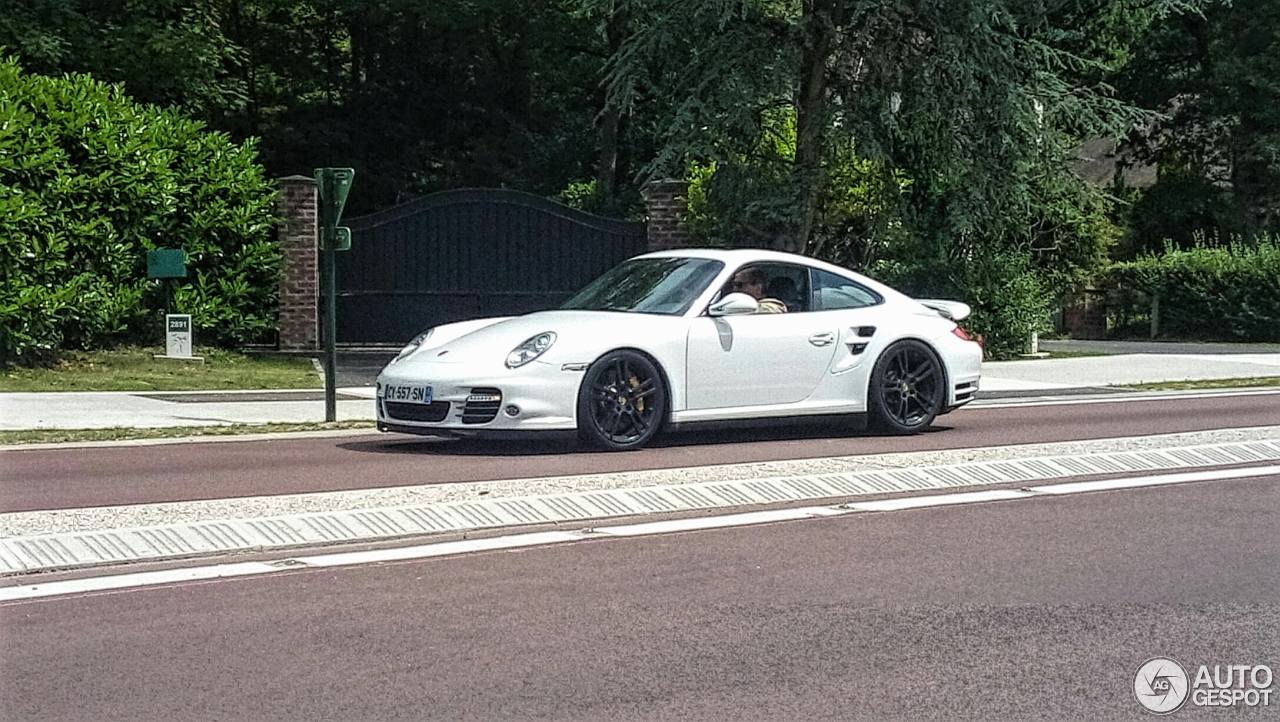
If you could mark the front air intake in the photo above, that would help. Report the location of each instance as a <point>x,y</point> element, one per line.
<point>482,406</point>
<point>432,412</point>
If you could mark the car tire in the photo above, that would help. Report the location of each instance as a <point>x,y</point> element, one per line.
<point>622,403</point>
<point>907,389</point>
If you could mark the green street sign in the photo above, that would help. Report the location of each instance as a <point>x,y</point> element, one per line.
<point>166,263</point>
<point>333,185</point>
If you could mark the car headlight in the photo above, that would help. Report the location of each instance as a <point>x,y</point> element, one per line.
<point>530,349</point>
<point>413,344</point>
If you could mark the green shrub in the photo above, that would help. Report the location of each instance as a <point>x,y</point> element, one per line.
<point>1009,298</point>
<point>89,182</point>
<point>1228,292</point>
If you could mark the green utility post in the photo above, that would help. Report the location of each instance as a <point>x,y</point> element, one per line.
<point>333,185</point>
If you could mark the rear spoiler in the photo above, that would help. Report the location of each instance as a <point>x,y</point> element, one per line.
<point>953,310</point>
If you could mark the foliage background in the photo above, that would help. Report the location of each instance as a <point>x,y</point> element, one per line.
<point>933,143</point>
<point>90,181</point>
<point>417,97</point>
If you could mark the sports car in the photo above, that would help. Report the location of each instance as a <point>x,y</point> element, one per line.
<point>677,338</point>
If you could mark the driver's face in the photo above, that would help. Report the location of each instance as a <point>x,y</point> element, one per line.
<point>743,284</point>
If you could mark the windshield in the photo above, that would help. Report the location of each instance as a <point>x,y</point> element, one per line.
<point>648,285</point>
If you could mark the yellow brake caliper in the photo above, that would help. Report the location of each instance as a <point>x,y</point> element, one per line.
<point>635,384</point>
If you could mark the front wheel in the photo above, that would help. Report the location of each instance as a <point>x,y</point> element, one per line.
<point>622,403</point>
<point>907,388</point>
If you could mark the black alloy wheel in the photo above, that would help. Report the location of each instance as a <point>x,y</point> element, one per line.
<point>907,388</point>
<point>622,403</point>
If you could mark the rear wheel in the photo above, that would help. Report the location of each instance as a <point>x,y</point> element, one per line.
<point>622,403</point>
<point>907,388</point>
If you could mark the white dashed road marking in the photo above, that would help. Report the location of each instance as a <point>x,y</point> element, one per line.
<point>518,541</point>
<point>98,547</point>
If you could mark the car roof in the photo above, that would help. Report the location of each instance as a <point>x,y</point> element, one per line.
<point>734,257</point>
<point>738,256</point>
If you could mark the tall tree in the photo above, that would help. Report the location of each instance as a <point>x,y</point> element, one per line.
<point>975,102</point>
<point>416,96</point>
<point>166,52</point>
<point>968,92</point>
<point>1216,77</point>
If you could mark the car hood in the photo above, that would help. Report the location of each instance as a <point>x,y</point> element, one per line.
<point>580,337</point>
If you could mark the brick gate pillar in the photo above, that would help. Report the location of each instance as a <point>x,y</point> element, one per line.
<point>666,203</point>
<point>297,206</point>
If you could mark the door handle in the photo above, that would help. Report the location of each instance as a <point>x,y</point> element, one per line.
<point>822,339</point>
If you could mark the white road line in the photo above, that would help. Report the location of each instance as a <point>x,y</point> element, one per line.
<point>920,502</point>
<point>443,549</point>
<point>518,541</point>
<point>715,522</point>
<point>1048,398</point>
<point>1134,483</point>
<point>130,581</point>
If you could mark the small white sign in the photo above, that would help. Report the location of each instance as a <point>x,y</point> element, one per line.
<point>177,335</point>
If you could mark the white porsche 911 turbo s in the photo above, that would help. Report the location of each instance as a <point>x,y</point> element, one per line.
<point>688,336</point>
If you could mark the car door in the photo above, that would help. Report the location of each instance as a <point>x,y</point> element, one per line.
<point>758,359</point>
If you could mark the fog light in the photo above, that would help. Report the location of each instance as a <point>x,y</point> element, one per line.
<point>512,410</point>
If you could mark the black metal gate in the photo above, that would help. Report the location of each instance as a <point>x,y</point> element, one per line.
<point>464,254</point>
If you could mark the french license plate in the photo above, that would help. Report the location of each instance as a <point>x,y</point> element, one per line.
<point>408,394</point>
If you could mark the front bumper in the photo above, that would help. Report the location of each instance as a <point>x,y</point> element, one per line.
<point>538,396</point>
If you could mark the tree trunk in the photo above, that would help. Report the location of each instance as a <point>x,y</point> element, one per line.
<point>615,31</point>
<point>1253,179</point>
<point>819,23</point>
<point>607,135</point>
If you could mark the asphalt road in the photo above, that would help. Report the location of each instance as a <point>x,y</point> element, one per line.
<point>1038,609</point>
<point>72,478</point>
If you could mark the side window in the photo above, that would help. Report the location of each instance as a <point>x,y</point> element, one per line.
<point>789,284</point>
<point>780,281</point>
<point>832,292</point>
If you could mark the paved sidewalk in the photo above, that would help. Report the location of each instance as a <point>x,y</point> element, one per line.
<point>1091,372</point>
<point>1125,364</point>
<point>104,410</point>
<point>1160,347</point>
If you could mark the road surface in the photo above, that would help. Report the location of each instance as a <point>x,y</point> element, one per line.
<point>1041,609</point>
<point>134,474</point>
<point>1038,608</point>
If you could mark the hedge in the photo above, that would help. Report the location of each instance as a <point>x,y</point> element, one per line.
<point>1228,292</point>
<point>89,182</point>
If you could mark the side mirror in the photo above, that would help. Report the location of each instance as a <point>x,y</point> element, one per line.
<point>733,304</point>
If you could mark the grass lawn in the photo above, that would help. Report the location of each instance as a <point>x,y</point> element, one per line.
<point>1053,355</point>
<point>136,369</point>
<point>1208,384</point>
<point>59,436</point>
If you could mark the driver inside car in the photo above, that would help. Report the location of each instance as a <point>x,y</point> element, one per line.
<point>751,281</point>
